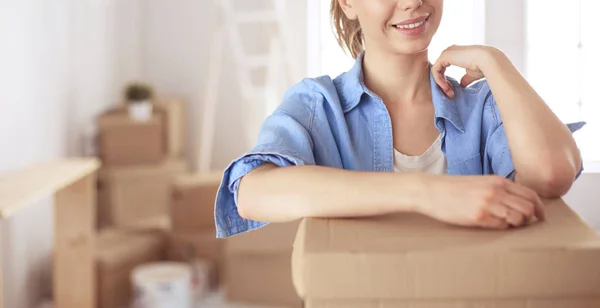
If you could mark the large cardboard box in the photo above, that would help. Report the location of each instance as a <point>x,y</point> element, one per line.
<point>193,204</point>
<point>135,193</point>
<point>118,253</point>
<point>123,141</point>
<point>412,261</point>
<point>258,267</point>
<point>193,245</point>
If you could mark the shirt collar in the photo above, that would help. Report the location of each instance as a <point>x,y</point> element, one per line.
<point>352,88</point>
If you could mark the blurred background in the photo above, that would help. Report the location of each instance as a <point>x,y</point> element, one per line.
<point>64,63</point>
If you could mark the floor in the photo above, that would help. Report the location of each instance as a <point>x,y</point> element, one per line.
<point>215,300</point>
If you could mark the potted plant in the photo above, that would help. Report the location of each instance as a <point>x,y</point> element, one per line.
<point>139,101</point>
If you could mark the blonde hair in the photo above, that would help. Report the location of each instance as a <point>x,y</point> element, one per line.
<point>348,32</point>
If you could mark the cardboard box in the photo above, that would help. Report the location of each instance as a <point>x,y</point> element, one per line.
<point>123,141</point>
<point>175,123</point>
<point>161,223</point>
<point>412,261</point>
<point>136,193</point>
<point>547,303</point>
<point>118,253</point>
<point>190,246</point>
<point>258,267</point>
<point>193,205</point>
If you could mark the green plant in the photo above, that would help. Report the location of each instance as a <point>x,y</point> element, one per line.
<point>137,92</point>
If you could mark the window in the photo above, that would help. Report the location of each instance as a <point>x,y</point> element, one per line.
<point>562,64</point>
<point>460,26</point>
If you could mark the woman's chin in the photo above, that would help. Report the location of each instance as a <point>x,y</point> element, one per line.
<point>412,48</point>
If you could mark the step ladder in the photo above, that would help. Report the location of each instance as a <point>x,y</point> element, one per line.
<point>280,62</point>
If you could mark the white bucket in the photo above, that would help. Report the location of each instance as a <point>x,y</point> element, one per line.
<point>162,285</point>
<point>203,278</point>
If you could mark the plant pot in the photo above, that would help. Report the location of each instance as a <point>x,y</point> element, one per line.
<point>140,111</point>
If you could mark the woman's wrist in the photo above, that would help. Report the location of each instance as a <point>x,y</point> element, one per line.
<point>411,191</point>
<point>491,58</point>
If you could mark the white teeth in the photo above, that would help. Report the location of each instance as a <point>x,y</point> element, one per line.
<point>410,26</point>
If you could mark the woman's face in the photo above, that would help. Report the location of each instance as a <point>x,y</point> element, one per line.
<point>398,26</point>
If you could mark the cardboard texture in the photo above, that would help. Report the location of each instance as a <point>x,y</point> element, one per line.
<point>131,194</point>
<point>548,303</point>
<point>193,204</point>
<point>190,246</point>
<point>118,253</point>
<point>261,279</point>
<point>413,261</point>
<point>258,266</point>
<point>174,110</point>
<point>162,222</point>
<point>123,141</point>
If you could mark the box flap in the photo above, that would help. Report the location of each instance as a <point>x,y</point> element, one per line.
<point>413,256</point>
<point>272,238</point>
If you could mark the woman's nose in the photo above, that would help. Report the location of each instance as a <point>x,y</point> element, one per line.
<point>408,5</point>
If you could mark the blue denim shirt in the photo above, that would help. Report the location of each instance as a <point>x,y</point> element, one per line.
<point>340,123</point>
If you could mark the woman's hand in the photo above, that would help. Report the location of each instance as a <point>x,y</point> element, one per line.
<point>471,58</point>
<point>482,201</point>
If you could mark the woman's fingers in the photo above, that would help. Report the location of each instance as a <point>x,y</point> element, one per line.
<point>529,195</point>
<point>507,214</point>
<point>524,206</point>
<point>494,222</point>
<point>438,70</point>
<point>515,219</point>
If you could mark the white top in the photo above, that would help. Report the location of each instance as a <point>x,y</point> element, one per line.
<point>432,161</point>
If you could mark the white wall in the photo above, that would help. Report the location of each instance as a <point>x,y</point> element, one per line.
<point>174,51</point>
<point>584,198</point>
<point>58,71</point>
<point>63,62</point>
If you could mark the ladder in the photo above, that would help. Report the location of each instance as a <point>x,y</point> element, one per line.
<point>280,62</point>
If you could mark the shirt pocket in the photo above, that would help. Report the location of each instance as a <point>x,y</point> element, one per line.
<point>469,166</point>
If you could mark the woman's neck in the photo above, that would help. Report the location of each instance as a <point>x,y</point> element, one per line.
<point>397,79</point>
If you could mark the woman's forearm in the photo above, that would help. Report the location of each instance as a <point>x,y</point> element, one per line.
<point>274,194</point>
<point>544,152</point>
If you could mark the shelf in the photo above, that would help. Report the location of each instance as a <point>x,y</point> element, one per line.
<point>22,188</point>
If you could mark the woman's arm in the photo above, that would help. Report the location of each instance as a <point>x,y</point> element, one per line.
<point>280,194</point>
<point>544,152</point>
<point>276,194</point>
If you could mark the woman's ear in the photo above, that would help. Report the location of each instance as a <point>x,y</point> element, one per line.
<point>347,7</point>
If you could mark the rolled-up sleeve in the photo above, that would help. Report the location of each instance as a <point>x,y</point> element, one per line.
<point>284,140</point>
<point>498,152</point>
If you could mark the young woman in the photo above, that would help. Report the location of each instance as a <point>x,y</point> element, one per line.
<point>393,134</point>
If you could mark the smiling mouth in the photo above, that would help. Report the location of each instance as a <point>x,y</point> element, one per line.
<point>412,25</point>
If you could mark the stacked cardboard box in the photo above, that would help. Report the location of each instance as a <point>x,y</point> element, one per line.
<point>193,234</point>
<point>413,261</point>
<point>118,252</point>
<point>258,267</point>
<point>130,194</point>
<point>139,161</point>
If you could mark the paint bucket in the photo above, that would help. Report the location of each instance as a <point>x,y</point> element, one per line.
<point>162,285</point>
<point>204,278</point>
